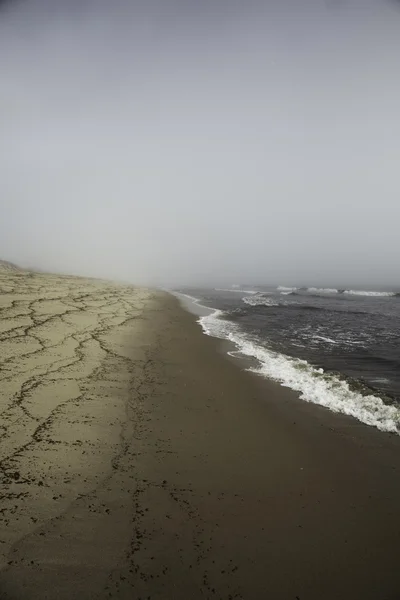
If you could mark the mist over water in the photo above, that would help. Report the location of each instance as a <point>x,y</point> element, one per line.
<point>212,143</point>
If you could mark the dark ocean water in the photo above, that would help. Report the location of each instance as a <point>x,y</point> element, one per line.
<point>310,338</point>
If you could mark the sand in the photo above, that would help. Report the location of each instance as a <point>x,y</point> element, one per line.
<point>137,461</point>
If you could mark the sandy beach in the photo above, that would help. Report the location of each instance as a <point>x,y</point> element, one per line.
<point>139,462</point>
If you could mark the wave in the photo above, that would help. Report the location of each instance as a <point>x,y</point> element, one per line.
<point>324,339</point>
<point>313,384</point>
<point>259,300</point>
<point>282,288</point>
<point>314,290</point>
<point>368,293</point>
<point>317,291</point>
<point>255,301</point>
<point>301,291</point>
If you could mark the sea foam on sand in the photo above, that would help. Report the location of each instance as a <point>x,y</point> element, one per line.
<point>313,384</point>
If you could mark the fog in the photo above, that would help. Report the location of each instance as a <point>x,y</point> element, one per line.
<point>172,142</point>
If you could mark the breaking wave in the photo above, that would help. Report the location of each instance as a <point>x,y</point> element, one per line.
<point>367,293</point>
<point>313,384</point>
<point>260,300</point>
<point>315,290</point>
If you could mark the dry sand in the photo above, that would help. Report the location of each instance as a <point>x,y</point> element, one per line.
<point>138,462</point>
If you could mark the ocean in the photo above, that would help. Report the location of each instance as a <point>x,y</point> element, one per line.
<point>337,348</point>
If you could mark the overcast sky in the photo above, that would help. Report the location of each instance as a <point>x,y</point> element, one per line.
<point>214,141</point>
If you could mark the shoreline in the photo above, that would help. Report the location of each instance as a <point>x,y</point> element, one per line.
<point>333,390</point>
<point>177,474</point>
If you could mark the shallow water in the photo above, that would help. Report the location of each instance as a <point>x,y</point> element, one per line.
<point>337,348</point>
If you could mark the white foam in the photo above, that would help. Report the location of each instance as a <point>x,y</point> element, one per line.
<point>324,339</point>
<point>315,290</point>
<point>312,384</point>
<point>259,300</point>
<point>367,293</point>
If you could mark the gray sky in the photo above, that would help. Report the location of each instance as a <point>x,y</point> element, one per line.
<point>173,141</point>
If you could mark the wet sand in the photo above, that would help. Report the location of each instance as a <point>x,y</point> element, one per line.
<point>137,461</point>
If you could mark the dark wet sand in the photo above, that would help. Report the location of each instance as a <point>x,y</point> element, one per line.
<point>218,484</point>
